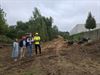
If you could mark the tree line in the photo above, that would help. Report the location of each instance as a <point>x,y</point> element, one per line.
<point>37,23</point>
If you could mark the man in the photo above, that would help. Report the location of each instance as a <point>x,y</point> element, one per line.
<point>37,42</point>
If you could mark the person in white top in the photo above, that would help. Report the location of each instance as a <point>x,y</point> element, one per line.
<point>15,51</point>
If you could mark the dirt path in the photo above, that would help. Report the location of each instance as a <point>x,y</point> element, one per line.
<point>56,59</point>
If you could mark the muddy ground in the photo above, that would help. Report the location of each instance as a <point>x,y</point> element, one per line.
<point>56,59</point>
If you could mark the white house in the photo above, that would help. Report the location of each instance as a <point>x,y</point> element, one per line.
<point>81,28</point>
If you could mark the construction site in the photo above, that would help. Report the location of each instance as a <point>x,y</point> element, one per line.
<point>49,37</point>
<point>57,58</point>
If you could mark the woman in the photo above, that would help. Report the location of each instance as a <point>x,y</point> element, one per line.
<point>22,45</point>
<point>15,51</point>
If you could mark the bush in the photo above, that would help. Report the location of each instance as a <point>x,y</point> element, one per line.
<point>77,37</point>
<point>5,39</point>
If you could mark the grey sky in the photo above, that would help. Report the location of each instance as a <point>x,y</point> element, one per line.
<point>66,13</point>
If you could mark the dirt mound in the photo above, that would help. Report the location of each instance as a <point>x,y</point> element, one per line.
<point>56,44</point>
<point>56,59</point>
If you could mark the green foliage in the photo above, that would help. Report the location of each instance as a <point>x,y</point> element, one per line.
<point>77,37</point>
<point>42,25</point>
<point>90,22</point>
<point>5,39</point>
<point>37,23</point>
<point>3,28</point>
<point>54,31</point>
<point>12,32</point>
<point>65,35</point>
<point>3,25</point>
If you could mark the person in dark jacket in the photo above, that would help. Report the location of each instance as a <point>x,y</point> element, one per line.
<point>22,45</point>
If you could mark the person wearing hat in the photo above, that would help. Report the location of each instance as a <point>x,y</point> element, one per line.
<point>37,43</point>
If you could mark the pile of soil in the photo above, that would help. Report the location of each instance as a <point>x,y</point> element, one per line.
<point>56,59</point>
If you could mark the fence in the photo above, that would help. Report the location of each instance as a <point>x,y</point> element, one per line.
<point>94,35</point>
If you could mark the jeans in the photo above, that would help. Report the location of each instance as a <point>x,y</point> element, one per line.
<point>22,51</point>
<point>37,46</point>
<point>29,50</point>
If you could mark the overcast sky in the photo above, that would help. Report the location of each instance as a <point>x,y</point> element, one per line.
<point>66,13</point>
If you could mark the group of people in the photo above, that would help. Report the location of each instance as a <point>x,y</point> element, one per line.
<point>25,46</point>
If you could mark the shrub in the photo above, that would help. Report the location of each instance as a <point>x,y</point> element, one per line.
<point>5,39</point>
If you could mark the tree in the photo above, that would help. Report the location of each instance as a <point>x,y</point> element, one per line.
<point>37,23</point>
<point>65,35</point>
<point>42,25</point>
<point>36,13</point>
<point>54,31</point>
<point>90,22</point>
<point>49,22</point>
<point>21,28</point>
<point>93,23</point>
<point>12,32</point>
<point>3,25</point>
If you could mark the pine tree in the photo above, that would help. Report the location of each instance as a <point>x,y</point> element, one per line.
<point>90,22</point>
<point>93,23</point>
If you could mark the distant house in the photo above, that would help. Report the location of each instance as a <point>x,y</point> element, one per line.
<point>81,28</point>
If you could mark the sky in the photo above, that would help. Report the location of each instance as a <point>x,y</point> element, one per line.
<point>65,13</point>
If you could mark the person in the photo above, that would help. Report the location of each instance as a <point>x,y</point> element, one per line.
<point>22,45</point>
<point>29,45</point>
<point>37,43</point>
<point>15,51</point>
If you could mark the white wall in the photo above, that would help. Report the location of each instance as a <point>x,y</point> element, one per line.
<point>81,28</point>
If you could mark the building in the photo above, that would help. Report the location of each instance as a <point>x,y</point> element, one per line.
<point>81,28</point>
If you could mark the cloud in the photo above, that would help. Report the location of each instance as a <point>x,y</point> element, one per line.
<point>66,13</point>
